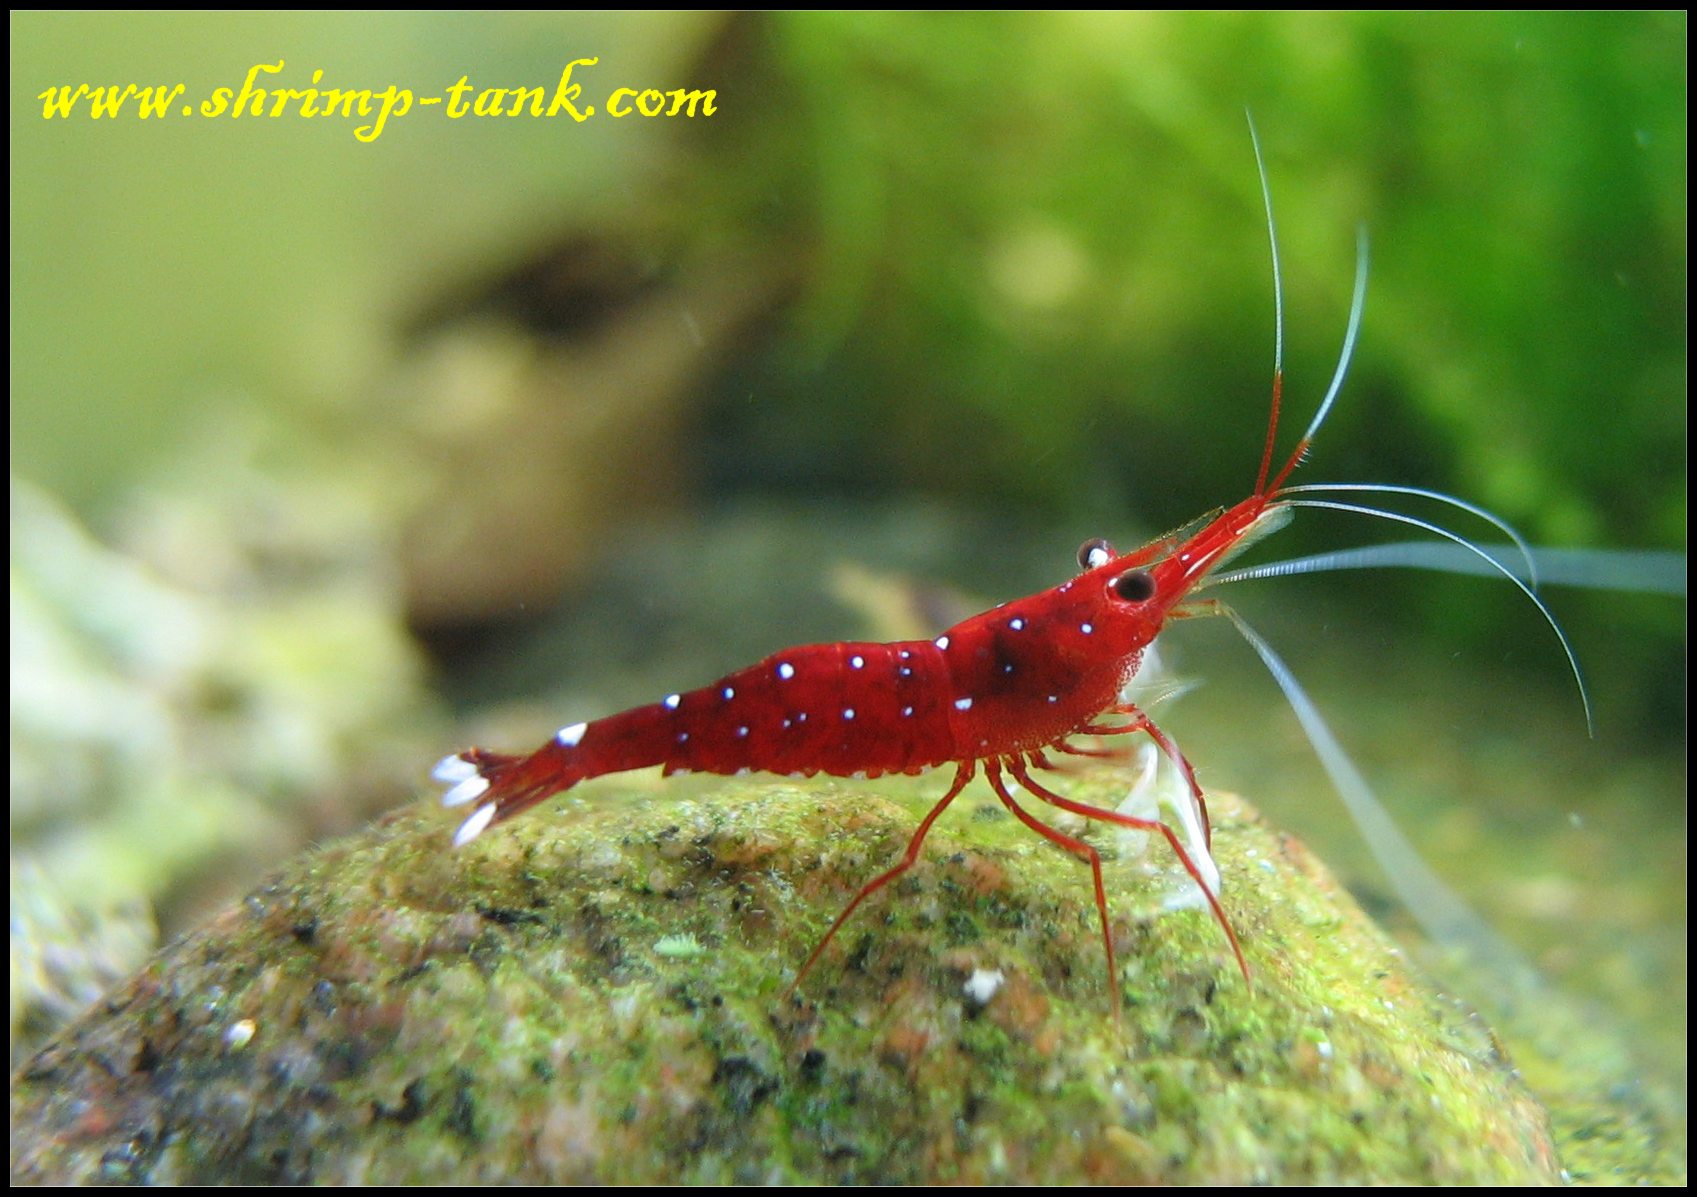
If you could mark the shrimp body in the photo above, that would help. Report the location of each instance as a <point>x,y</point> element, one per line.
<point>996,693</point>
<point>992,685</point>
<point>1005,683</point>
<point>992,692</point>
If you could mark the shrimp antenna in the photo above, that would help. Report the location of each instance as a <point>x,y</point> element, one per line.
<point>1497,566</point>
<point>1437,496</point>
<point>1628,571</point>
<point>1409,554</point>
<point>1356,305</point>
<point>1278,306</point>
<point>1445,917</point>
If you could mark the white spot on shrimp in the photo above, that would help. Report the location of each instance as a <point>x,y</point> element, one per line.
<point>1016,624</point>
<point>742,731</point>
<point>786,723</point>
<point>474,826</point>
<point>1086,628</point>
<point>907,712</point>
<point>728,693</point>
<point>786,670</point>
<point>683,737</point>
<point>941,642</point>
<point>848,712</point>
<point>452,769</point>
<point>1065,586</point>
<point>982,985</point>
<point>672,702</point>
<point>1008,668</point>
<point>906,655</point>
<point>470,788</point>
<point>963,704</point>
<point>569,736</point>
<point>905,671</point>
<point>801,718</point>
<point>855,662</point>
<point>1051,698</point>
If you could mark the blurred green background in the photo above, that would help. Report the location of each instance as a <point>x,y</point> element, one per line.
<point>334,454</point>
<point>1012,264</point>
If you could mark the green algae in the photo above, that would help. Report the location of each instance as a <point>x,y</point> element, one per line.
<point>389,1011</point>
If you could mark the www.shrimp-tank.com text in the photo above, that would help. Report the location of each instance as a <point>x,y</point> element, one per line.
<point>265,93</point>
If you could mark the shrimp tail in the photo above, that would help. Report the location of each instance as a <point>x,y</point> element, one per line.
<point>502,785</point>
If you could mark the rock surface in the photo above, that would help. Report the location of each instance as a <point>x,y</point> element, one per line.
<point>596,993</point>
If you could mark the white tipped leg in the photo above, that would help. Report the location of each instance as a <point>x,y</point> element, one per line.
<point>1157,789</point>
<point>467,790</point>
<point>475,825</point>
<point>1143,800</point>
<point>452,769</point>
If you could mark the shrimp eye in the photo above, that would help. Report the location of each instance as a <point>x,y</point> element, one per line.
<point>1135,586</point>
<point>1093,553</point>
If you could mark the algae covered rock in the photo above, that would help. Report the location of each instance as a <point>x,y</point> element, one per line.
<point>197,697</point>
<point>596,992</point>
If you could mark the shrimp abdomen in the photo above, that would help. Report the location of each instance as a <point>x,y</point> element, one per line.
<point>845,709</point>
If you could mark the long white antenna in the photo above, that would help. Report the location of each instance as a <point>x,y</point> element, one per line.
<point>1623,571</point>
<point>1437,530</point>
<point>1445,917</point>
<point>1355,306</point>
<point>1273,240</point>
<point>1437,496</point>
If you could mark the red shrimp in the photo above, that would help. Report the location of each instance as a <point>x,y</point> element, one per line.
<point>996,692</point>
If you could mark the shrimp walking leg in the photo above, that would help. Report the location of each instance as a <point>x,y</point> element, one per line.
<point>1023,774</point>
<point>1078,848</point>
<point>962,775</point>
